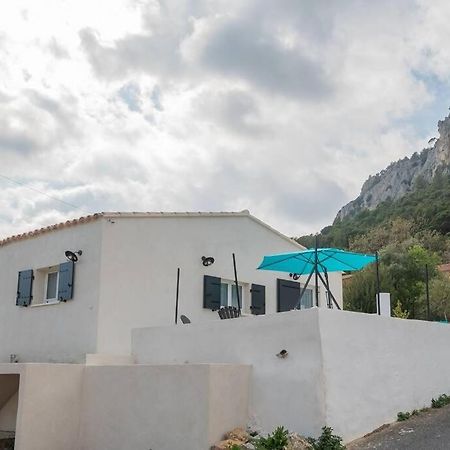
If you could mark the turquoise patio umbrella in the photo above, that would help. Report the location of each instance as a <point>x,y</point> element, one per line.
<point>318,262</point>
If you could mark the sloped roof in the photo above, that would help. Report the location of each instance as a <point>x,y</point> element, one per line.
<point>120,215</point>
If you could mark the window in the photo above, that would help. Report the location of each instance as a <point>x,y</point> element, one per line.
<point>51,293</point>
<point>228,294</point>
<point>46,285</point>
<point>307,299</point>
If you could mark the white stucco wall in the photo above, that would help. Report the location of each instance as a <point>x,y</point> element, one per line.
<point>376,366</point>
<point>78,407</point>
<point>49,405</point>
<point>288,392</point>
<point>63,332</point>
<point>350,371</point>
<point>164,407</point>
<point>141,255</point>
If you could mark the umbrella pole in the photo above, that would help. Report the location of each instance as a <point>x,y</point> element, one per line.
<point>177,296</point>
<point>236,282</point>
<point>302,292</point>
<point>316,269</point>
<point>329,292</point>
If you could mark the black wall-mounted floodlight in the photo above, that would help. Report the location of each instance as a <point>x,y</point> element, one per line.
<point>72,256</point>
<point>294,276</point>
<point>207,260</point>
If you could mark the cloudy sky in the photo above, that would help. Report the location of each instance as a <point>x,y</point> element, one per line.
<point>282,107</point>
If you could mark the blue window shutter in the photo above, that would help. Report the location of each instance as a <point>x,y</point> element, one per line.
<point>25,288</point>
<point>258,305</point>
<point>65,282</point>
<point>211,292</point>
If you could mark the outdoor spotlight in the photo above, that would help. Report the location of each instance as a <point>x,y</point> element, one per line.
<point>282,354</point>
<point>72,256</point>
<point>207,260</point>
<point>294,276</point>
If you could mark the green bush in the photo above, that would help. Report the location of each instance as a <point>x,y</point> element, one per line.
<point>402,416</point>
<point>327,441</point>
<point>441,401</point>
<point>275,441</point>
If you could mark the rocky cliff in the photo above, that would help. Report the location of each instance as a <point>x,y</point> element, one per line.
<point>399,177</point>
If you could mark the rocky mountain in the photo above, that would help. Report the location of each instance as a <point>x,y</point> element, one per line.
<point>400,177</point>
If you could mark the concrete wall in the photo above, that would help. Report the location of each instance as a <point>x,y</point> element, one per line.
<point>77,407</point>
<point>161,407</point>
<point>351,371</point>
<point>62,332</point>
<point>141,256</point>
<point>375,367</point>
<point>287,391</point>
<point>48,406</point>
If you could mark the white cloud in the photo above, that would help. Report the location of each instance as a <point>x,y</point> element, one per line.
<point>283,108</point>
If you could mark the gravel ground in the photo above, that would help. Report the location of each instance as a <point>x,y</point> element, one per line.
<point>428,431</point>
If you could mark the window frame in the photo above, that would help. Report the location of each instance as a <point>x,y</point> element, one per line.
<point>230,284</point>
<point>40,287</point>
<point>49,301</point>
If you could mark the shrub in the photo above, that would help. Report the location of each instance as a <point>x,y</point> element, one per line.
<point>275,441</point>
<point>327,441</point>
<point>441,401</point>
<point>402,416</point>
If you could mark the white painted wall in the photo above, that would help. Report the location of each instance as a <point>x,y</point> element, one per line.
<point>62,332</point>
<point>77,407</point>
<point>376,366</point>
<point>49,405</point>
<point>288,392</point>
<point>140,258</point>
<point>161,407</point>
<point>350,371</point>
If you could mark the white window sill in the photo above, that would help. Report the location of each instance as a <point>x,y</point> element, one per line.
<point>52,302</point>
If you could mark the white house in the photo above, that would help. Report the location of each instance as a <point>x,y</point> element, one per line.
<point>54,310</point>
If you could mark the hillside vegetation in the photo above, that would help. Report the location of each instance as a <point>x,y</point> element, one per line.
<point>409,234</point>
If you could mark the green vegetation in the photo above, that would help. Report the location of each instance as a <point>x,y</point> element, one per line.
<point>279,440</point>
<point>408,234</point>
<point>402,416</point>
<point>327,441</point>
<point>275,441</point>
<point>441,401</point>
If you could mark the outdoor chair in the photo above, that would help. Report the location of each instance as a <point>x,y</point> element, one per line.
<point>184,319</point>
<point>229,312</point>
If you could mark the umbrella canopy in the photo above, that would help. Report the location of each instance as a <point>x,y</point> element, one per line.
<point>328,259</point>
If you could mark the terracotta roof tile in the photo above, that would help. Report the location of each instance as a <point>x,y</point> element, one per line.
<point>57,226</point>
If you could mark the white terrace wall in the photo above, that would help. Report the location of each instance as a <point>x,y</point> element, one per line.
<point>49,405</point>
<point>78,407</point>
<point>351,371</point>
<point>283,391</point>
<point>141,255</point>
<point>165,407</point>
<point>375,367</point>
<point>61,332</point>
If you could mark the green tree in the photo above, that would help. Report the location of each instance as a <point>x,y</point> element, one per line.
<point>402,274</point>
